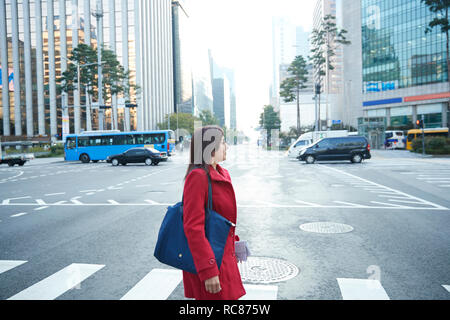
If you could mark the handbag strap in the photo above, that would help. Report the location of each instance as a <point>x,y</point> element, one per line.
<point>210,203</point>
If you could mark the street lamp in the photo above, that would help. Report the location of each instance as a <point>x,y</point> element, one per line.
<point>98,14</point>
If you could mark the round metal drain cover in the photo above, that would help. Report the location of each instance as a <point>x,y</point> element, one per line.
<point>326,227</point>
<point>266,270</point>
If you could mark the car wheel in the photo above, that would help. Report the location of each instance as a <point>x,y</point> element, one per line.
<point>21,163</point>
<point>357,158</point>
<point>310,159</point>
<point>115,162</point>
<point>10,164</point>
<point>155,163</point>
<point>124,163</point>
<point>85,158</point>
<point>148,162</point>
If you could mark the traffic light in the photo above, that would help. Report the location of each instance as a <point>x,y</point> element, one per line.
<point>419,123</point>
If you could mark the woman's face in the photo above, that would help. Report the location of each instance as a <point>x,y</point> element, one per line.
<point>221,153</point>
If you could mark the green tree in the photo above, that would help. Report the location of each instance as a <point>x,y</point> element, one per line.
<point>324,42</point>
<point>291,87</point>
<point>441,9</point>
<point>269,120</point>
<point>185,121</point>
<point>115,79</point>
<point>207,118</point>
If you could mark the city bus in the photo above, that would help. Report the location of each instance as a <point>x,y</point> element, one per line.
<point>395,140</point>
<point>98,145</point>
<point>432,132</point>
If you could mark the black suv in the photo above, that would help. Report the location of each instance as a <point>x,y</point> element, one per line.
<point>138,155</point>
<point>356,149</point>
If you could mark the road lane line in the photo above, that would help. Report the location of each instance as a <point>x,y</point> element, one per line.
<point>390,204</point>
<point>19,214</point>
<point>355,205</point>
<point>55,285</point>
<point>54,194</point>
<point>41,208</point>
<point>391,190</point>
<point>6,265</point>
<point>404,201</point>
<point>362,289</point>
<point>7,201</point>
<point>260,292</point>
<point>158,284</point>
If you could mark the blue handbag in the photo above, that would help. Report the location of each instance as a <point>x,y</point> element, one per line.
<point>172,247</point>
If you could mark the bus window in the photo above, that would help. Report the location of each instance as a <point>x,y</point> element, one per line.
<point>83,141</point>
<point>107,141</point>
<point>411,137</point>
<point>128,139</point>
<point>95,141</point>
<point>139,138</point>
<point>71,143</point>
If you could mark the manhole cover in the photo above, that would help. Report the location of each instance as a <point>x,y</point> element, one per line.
<point>326,227</point>
<point>266,270</point>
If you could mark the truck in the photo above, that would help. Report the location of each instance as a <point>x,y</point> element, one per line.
<point>11,160</point>
<point>311,137</point>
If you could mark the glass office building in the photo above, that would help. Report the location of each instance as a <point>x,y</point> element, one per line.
<point>404,70</point>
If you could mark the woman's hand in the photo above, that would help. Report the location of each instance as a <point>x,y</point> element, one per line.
<point>213,285</point>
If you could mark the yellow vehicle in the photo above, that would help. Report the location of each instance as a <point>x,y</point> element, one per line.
<point>432,132</point>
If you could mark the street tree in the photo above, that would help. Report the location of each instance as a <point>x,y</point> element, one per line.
<point>324,43</point>
<point>207,118</point>
<point>269,120</point>
<point>291,86</point>
<point>441,9</point>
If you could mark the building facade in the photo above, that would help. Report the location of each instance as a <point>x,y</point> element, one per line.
<point>37,38</point>
<point>394,72</point>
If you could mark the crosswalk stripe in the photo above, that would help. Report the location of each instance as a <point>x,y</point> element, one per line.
<point>6,265</point>
<point>362,289</point>
<point>260,292</point>
<point>158,284</point>
<point>55,285</point>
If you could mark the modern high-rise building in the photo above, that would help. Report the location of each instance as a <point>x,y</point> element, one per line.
<point>395,73</point>
<point>37,38</point>
<point>221,92</point>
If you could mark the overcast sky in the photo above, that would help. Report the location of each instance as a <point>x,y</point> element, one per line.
<point>239,32</point>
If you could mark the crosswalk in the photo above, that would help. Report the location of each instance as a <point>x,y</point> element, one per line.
<point>159,284</point>
<point>437,177</point>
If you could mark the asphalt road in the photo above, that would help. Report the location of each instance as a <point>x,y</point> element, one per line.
<point>87,231</point>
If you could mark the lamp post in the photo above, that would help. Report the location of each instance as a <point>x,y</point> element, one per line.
<point>98,14</point>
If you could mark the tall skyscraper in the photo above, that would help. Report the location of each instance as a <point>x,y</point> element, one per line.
<point>36,39</point>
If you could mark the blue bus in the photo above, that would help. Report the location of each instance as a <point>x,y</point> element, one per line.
<point>98,145</point>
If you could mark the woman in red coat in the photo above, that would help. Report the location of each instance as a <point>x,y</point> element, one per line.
<point>208,148</point>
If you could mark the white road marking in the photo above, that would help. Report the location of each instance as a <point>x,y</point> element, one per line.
<point>7,201</point>
<point>113,202</point>
<point>260,292</point>
<point>306,203</point>
<point>6,265</point>
<point>362,289</point>
<point>446,287</point>
<point>355,205</point>
<point>388,189</point>
<point>158,284</point>
<point>40,202</point>
<point>19,214</point>
<point>445,186</point>
<point>152,202</point>
<point>55,285</point>
<point>54,194</point>
<point>390,204</point>
<point>404,201</point>
<point>41,208</point>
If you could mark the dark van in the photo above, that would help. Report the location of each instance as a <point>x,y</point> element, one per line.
<point>356,149</point>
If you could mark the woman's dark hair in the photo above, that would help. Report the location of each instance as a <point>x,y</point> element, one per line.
<point>204,144</point>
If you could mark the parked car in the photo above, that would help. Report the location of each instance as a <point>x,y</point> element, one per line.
<point>353,148</point>
<point>149,156</point>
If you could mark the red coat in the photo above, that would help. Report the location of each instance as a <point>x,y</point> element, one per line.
<point>224,203</point>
